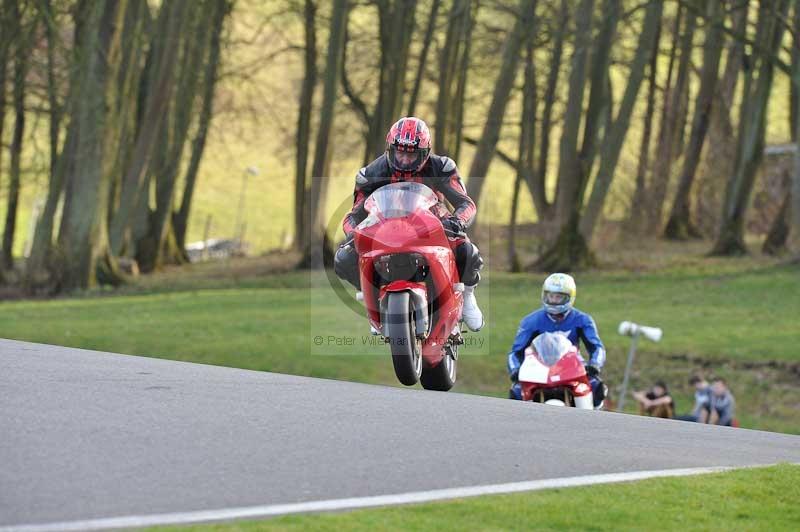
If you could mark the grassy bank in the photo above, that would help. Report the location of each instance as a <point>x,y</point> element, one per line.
<point>737,320</point>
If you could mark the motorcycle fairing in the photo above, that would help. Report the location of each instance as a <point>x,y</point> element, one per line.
<point>399,225</point>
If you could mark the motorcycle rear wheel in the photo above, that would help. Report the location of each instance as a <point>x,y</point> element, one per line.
<point>443,376</point>
<point>399,331</point>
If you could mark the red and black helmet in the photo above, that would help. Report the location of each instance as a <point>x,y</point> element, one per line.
<point>408,144</point>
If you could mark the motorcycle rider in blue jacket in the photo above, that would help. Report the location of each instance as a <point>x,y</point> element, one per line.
<point>559,315</point>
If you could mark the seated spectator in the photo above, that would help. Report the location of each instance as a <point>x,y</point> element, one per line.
<point>656,402</point>
<point>722,404</point>
<point>702,400</point>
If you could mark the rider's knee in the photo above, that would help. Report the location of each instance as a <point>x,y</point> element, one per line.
<point>515,392</point>
<point>345,264</point>
<point>469,262</point>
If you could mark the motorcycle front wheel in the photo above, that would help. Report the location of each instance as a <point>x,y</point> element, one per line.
<point>398,328</point>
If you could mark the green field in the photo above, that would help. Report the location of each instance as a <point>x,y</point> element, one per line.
<point>732,318</point>
<point>751,499</point>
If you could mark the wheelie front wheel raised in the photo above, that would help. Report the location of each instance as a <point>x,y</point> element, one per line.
<point>398,328</point>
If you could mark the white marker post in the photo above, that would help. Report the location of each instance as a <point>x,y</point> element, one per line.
<point>634,330</point>
<point>241,218</point>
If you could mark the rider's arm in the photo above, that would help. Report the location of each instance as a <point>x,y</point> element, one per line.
<point>525,335</point>
<point>357,213</point>
<point>588,333</point>
<point>454,192</point>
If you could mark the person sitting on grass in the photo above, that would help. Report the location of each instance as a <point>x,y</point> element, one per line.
<point>656,402</point>
<point>702,400</point>
<point>722,404</point>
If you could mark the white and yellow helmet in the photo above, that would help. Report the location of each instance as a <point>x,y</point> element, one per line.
<point>558,293</point>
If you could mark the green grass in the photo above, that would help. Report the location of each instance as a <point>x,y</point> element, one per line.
<point>751,499</point>
<point>740,323</point>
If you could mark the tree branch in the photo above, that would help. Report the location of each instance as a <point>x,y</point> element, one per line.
<point>510,161</point>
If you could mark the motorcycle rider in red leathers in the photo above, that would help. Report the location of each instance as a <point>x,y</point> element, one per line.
<point>408,157</point>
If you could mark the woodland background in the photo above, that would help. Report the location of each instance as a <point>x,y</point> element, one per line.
<point>131,127</point>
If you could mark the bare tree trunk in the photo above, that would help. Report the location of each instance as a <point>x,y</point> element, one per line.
<point>570,187</point>
<point>497,108</point>
<point>7,23</point>
<point>794,217</point>
<point>794,210</point>
<point>514,264</point>
<point>616,132</point>
<point>42,269</point>
<point>457,107</point>
<point>775,242</point>
<point>636,213</point>
<point>52,86</point>
<point>316,252</point>
<point>538,185</point>
<point>720,151</point>
<point>730,240</point>
<point>447,67</point>
<point>39,272</point>
<point>448,101</point>
<point>126,105</point>
<point>151,231</point>
<point>22,50</point>
<point>195,46</point>
<point>83,240</point>
<point>670,122</point>
<point>527,144</point>
<point>396,23</point>
<point>305,109</point>
<point>794,89</point>
<point>679,225</point>
<point>569,251</point>
<point>423,56</point>
<point>159,93</point>
<point>180,219</point>
<point>527,137</point>
<point>600,97</point>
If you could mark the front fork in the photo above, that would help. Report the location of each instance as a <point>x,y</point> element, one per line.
<point>419,298</point>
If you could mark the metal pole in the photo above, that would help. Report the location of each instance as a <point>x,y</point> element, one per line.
<point>624,390</point>
<point>240,215</point>
<point>206,234</point>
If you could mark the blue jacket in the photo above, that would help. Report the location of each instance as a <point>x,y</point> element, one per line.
<point>575,325</point>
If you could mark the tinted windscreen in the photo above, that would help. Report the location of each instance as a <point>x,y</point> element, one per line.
<point>550,347</point>
<point>400,199</point>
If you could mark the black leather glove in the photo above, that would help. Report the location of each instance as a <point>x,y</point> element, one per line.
<point>592,370</point>
<point>453,226</point>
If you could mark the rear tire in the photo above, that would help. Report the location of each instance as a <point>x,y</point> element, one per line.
<point>443,376</point>
<point>399,331</point>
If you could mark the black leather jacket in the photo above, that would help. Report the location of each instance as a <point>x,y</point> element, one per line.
<point>439,173</point>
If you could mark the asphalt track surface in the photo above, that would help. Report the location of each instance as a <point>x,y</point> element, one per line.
<point>87,435</point>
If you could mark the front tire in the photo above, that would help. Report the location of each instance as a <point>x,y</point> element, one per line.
<point>443,376</point>
<point>399,331</point>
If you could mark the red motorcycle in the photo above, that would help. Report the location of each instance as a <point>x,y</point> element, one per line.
<point>410,283</point>
<point>553,373</point>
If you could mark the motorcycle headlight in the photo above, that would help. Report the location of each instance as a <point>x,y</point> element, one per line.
<point>401,267</point>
